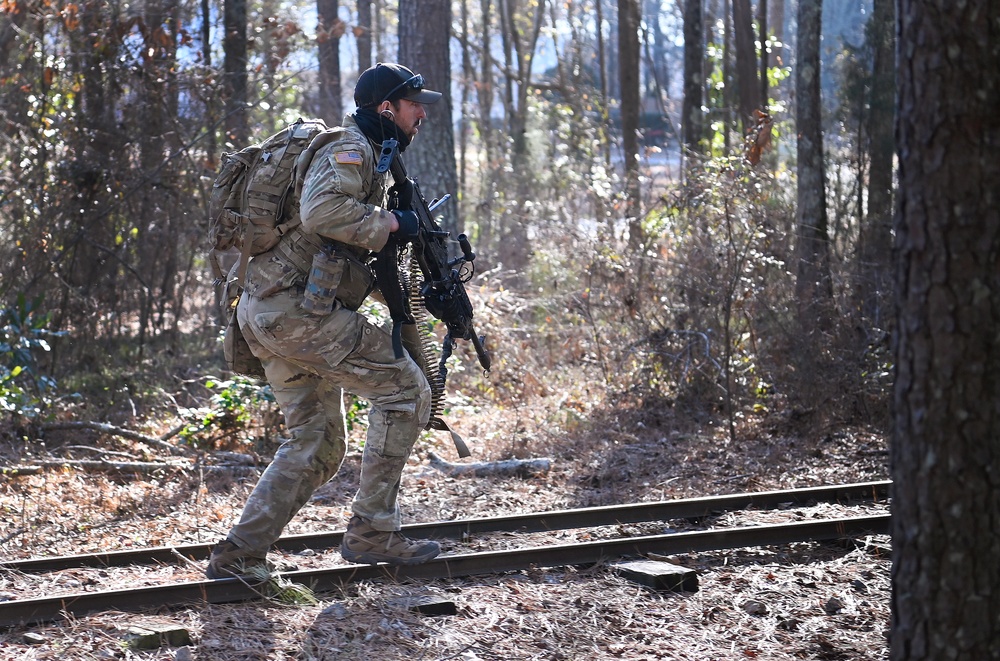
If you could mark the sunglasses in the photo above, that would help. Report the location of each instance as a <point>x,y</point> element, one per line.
<point>414,82</point>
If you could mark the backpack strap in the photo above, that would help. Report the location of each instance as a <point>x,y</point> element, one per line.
<point>302,163</point>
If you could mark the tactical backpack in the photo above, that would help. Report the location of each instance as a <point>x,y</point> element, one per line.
<point>252,206</point>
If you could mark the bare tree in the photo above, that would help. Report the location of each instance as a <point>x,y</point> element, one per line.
<point>694,76</point>
<point>628,54</point>
<point>363,34</point>
<point>424,46</point>
<point>330,106</point>
<point>764,63</point>
<point>945,452</point>
<point>746,63</point>
<point>813,287</point>
<point>874,283</point>
<point>235,78</point>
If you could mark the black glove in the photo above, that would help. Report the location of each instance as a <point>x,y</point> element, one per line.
<point>409,226</point>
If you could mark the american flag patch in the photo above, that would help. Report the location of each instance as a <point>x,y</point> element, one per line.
<point>348,157</point>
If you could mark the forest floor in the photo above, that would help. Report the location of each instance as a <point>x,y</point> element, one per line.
<point>803,601</point>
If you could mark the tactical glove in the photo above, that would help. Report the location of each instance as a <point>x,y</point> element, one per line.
<point>409,226</point>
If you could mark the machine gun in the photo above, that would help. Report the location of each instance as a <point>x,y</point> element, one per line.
<point>442,280</point>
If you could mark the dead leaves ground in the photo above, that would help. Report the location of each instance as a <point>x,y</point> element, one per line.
<point>808,601</point>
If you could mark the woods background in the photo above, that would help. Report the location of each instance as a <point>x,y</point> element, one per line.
<point>682,210</point>
<point>632,208</point>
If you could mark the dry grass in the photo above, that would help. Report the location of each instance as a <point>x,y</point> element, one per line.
<point>807,601</point>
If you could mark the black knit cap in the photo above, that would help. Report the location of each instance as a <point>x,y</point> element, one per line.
<point>391,82</point>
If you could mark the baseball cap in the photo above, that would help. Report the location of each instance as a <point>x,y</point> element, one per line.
<point>391,82</point>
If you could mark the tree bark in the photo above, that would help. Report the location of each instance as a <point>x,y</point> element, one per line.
<point>628,54</point>
<point>234,48</point>
<point>747,83</point>
<point>363,35</point>
<point>692,127</point>
<point>764,59</point>
<point>946,445</point>
<point>431,157</point>
<point>330,106</point>
<point>813,287</point>
<point>874,286</point>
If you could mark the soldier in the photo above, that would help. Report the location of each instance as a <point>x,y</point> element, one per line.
<point>314,345</point>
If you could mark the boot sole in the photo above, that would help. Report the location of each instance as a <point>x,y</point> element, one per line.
<point>371,558</point>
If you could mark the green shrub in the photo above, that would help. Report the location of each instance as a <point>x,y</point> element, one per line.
<point>24,390</point>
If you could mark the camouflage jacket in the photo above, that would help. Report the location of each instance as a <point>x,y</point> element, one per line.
<point>341,201</point>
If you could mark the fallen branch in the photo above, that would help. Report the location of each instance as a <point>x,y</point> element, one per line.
<point>124,433</point>
<point>143,467</point>
<point>99,451</point>
<point>505,468</point>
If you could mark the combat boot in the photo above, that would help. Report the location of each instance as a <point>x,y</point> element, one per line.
<point>365,545</point>
<point>230,560</point>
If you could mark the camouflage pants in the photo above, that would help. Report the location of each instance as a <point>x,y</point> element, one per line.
<point>309,362</point>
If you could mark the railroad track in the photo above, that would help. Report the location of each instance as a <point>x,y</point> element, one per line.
<point>46,609</point>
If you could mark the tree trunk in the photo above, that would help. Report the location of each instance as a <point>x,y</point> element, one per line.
<point>813,286</point>
<point>764,60</point>
<point>330,106</point>
<point>945,454</point>
<point>363,35</point>
<point>628,58</point>
<point>728,85</point>
<point>746,63</point>
<point>874,284</point>
<point>431,157</point>
<point>234,47</point>
<point>211,108</point>
<point>602,69</point>
<point>692,127</point>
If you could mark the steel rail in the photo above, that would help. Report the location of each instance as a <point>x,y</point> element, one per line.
<point>49,609</point>
<point>687,508</point>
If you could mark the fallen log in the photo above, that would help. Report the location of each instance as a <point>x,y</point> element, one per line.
<point>142,467</point>
<point>505,468</point>
<point>123,433</point>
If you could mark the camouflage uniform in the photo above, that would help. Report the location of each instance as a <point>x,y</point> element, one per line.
<point>310,360</point>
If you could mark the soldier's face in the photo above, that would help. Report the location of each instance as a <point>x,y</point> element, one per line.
<point>408,116</point>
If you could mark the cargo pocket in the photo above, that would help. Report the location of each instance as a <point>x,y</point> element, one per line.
<point>270,323</point>
<point>356,282</point>
<point>239,358</point>
<point>392,431</point>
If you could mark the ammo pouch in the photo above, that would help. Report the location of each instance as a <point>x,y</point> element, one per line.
<point>239,358</point>
<point>341,273</point>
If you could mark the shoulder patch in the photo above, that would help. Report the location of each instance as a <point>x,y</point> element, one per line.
<point>348,157</point>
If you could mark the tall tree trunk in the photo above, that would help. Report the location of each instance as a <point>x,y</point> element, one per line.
<point>210,107</point>
<point>431,157</point>
<point>330,106</point>
<point>234,47</point>
<point>363,34</point>
<point>945,453</point>
<point>602,73</point>
<point>813,287</point>
<point>728,84</point>
<point>628,74</point>
<point>692,127</point>
<point>764,63</point>
<point>875,253</point>
<point>746,63</point>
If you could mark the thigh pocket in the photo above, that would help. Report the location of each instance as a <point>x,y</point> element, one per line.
<point>392,432</point>
<point>272,324</point>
